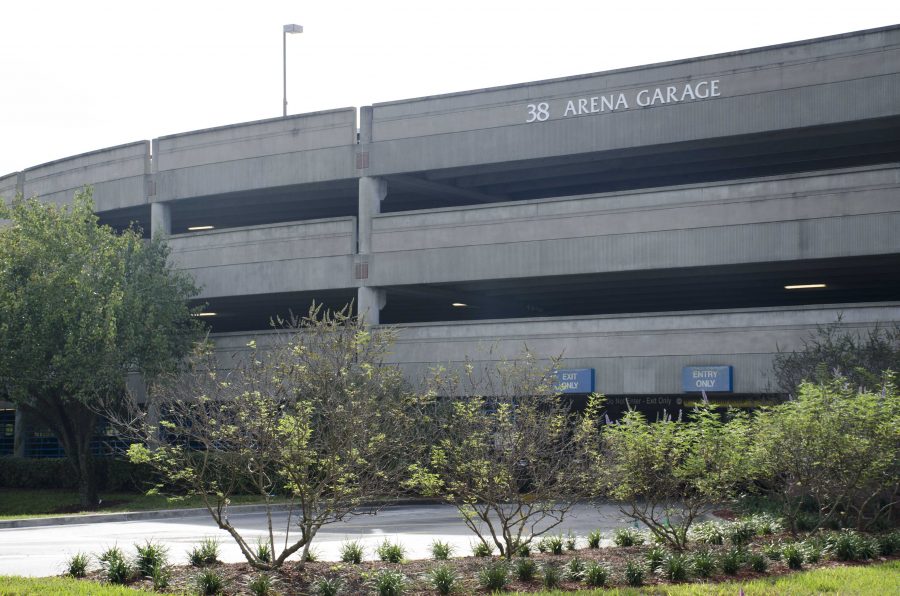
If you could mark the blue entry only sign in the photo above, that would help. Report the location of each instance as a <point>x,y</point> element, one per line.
<point>575,380</point>
<point>707,378</point>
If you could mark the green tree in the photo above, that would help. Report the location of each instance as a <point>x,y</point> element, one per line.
<point>81,308</point>
<point>669,472</point>
<point>835,448</point>
<point>507,450</point>
<point>313,413</point>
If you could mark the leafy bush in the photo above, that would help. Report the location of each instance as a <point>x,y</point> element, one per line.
<point>261,585</point>
<point>703,563</point>
<point>867,548</point>
<point>161,576</point>
<point>708,533</point>
<point>526,569</point>
<point>634,574</point>
<point>551,544</point>
<point>793,556</point>
<point>523,550</point>
<point>758,562</point>
<point>571,541</point>
<point>206,553</point>
<point>551,576</point>
<point>113,475</point>
<point>596,575</point>
<point>263,550</point>
<point>765,524</point>
<point>593,538</point>
<point>654,557</point>
<point>149,555</point>
<point>352,552</point>
<point>772,550</point>
<point>675,567</point>
<point>494,577</point>
<point>740,532</point>
<point>115,566</point>
<point>77,565</point>
<point>209,581</point>
<point>441,550</point>
<point>390,552</point>
<point>889,543</point>
<point>627,537</point>
<point>575,569</point>
<point>311,555</point>
<point>482,549</point>
<point>731,561</point>
<point>328,586</point>
<point>389,583</point>
<point>812,551</point>
<point>444,579</point>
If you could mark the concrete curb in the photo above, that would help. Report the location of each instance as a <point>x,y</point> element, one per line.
<point>102,518</point>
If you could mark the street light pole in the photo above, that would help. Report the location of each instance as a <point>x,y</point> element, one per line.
<point>285,30</point>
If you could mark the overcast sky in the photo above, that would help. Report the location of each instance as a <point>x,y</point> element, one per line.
<point>79,76</point>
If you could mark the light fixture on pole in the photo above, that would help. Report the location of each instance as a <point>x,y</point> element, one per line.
<point>287,29</point>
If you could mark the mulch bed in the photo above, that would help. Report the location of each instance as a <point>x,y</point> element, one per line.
<point>357,579</point>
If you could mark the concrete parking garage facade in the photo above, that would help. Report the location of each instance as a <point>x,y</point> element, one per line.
<point>641,222</point>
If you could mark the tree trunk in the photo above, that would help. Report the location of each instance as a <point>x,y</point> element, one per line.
<point>87,479</point>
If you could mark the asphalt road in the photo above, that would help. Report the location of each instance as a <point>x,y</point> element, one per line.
<point>43,551</point>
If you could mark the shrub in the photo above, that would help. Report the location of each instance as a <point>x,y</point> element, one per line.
<point>551,576</point>
<point>263,550</point>
<point>758,562</point>
<point>765,524</point>
<point>494,577</point>
<point>867,548</point>
<point>731,561</point>
<point>160,575</point>
<point>703,563</point>
<point>740,532</point>
<point>482,549</point>
<point>206,553</point>
<point>846,545</point>
<point>115,566</point>
<point>571,541</point>
<point>328,586</point>
<point>708,533</point>
<point>596,575</point>
<point>390,552</point>
<point>209,581</point>
<point>441,550</point>
<point>352,552</point>
<point>444,579</point>
<point>793,556</point>
<point>772,550</point>
<point>311,555</point>
<point>628,537</point>
<point>654,557</point>
<point>889,544</point>
<point>812,551</point>
<point>526,569</point>
<point>675,567</point>
<point>634,574</point>
<point>575,569</point>
<point>77,565</point>
<point>389,583</point>
<point>551,544</point>
<point>523,550</point>
<point>593,539</point>
<point>261,585</point>
<point>150,555</point>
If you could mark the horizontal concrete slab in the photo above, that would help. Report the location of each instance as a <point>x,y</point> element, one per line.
<point>836,213</point>
<point>265,259</point>
<point>118,175</point>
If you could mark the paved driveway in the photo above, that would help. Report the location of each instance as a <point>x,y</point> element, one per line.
<point>43,551</point>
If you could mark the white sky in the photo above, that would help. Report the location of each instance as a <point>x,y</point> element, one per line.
<point>83,75</point>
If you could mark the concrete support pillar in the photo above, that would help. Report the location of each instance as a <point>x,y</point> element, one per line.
<point>160,219</point>
<point>371,192</point>
<point>19,434</point>
<point>369,302</point>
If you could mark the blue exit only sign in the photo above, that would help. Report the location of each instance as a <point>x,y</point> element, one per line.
<point>706,378</point>
<point>575,380</point>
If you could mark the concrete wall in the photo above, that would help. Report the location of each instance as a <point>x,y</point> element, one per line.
<point>266,259</point>
<point>839,79</point>
<point>9,185</point>
<point>837,213</point>
<point>638,354</point>
<point>256,155</point>
<point>117,175</point>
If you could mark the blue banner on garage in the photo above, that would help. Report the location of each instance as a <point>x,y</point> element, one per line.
<point>707,378</point>
<point>576,380</point>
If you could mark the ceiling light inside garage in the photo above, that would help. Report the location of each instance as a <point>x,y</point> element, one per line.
<point>804,287</point>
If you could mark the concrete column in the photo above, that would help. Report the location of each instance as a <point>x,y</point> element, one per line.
<point>19,434</point>
<point>371,192</point>
<point>369,302</point>
<point>160,219</point>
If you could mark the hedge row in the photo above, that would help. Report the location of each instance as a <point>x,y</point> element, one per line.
<point>114,475</point>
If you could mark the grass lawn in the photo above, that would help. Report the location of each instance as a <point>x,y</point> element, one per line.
<point>870,579</point>
<point>23,503</point>
<point>13,585</point>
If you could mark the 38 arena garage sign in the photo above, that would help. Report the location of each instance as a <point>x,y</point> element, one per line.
<point>616,101</point>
